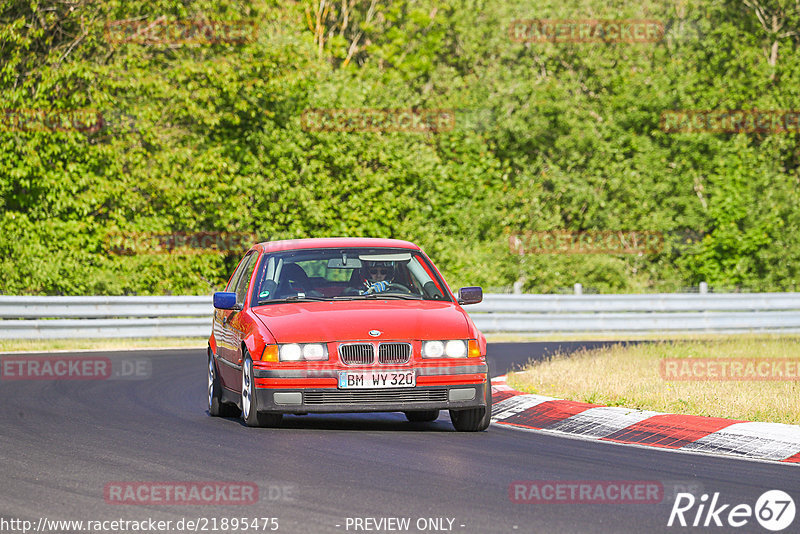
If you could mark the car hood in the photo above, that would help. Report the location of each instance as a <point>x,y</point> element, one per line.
<point>298,322</point>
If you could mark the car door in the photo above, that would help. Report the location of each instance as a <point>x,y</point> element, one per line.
<point>229,324</point>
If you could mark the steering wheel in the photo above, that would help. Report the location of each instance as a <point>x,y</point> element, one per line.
<point>401,287</point>
<point>389,287</point>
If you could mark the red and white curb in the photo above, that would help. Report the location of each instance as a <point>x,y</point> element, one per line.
<point>710,435</point>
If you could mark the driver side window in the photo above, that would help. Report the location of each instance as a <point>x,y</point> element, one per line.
<point>237,273</point>
<point>240,288</point>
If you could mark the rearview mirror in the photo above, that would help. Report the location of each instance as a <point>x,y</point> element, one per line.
<point>337,263</point>
<point>470,295</point>
<point>225,300</point>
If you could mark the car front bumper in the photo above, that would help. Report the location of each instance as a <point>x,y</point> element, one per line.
<point>333,400</point>
<point>438,387</point>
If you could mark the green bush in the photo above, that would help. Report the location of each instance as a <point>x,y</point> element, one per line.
<point>208,137</point>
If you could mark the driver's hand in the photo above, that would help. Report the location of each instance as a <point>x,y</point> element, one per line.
<point>377,287</point>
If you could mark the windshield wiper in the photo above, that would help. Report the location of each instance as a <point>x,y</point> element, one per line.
<point>373,296</point>
<point>294,298</point>
<point>395,296</point>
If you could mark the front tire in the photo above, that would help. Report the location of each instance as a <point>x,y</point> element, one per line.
<point>474,419</point>
<point>422,416</point>
<point>249,401</point>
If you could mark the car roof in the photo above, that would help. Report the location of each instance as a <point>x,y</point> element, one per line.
<point>333,242</point>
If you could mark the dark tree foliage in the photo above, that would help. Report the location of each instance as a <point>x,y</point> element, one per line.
<point>199,130</point>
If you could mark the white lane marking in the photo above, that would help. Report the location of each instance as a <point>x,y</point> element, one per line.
<point>518,403</point>
<point>601,421</point>
<point>500,425</point>
<point>759,442</point>
<point>774,441</point>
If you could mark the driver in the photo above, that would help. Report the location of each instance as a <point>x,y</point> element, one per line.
<point>377,276</point>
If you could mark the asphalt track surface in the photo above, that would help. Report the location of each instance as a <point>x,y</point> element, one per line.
<point>62,442</point>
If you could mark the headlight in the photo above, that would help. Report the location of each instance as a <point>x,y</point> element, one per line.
<point>314,351</point>
<point>432,349</point>
<point>455,349</point>
<point>291,352</point>
<point>295,352</point>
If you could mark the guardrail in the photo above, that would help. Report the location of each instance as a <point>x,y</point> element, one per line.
<point>103,317</point>
<point>689,312</point>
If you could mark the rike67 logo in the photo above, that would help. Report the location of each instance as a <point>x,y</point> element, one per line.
<point>774,510</point>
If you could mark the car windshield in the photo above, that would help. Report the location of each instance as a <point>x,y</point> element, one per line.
<point>346,274</point>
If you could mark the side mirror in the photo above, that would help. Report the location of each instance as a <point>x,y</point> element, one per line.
<point>225,300</point>
<point>470,295</point>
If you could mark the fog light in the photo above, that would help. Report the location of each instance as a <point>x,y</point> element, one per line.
<point>288,397</point>
<point>461,394</point>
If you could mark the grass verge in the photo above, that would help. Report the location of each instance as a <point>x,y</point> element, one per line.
<point>69,345</point>
<point>631,376</point>
<point>513,337</point>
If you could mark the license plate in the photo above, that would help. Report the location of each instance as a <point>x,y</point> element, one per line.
<point>376,379</point>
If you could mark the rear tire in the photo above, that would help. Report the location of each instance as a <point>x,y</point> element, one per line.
<point>249,400</point>
<point>217,408</point>
<point>422,416</point>
<point>474,419</point>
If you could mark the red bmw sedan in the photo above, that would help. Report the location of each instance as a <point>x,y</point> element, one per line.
<point>345,325</point>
